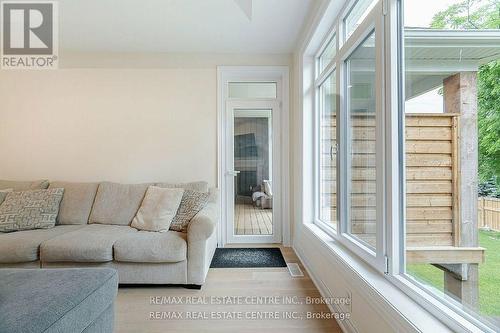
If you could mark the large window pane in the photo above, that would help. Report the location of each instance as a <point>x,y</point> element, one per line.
<point>452,113</point>
<point>328,152</point>
<point>361,142</point>
<point>328,53</point>
<point>357,14</point>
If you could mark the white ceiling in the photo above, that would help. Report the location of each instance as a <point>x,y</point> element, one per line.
<point>181,26</point>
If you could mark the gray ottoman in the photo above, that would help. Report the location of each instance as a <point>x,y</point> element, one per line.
<point>57,300</point>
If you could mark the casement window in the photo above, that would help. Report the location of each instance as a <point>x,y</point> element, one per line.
<point>395,149</point>
<point>349,139</point>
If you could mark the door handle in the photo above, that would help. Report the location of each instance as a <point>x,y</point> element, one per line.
<point>333,151</point>
<point>233,173</point>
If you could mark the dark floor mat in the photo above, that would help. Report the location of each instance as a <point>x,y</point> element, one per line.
<point>253,257</point>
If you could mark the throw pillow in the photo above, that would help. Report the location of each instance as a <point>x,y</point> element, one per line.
<point>268,188</point>
<point>3,194</point>
<point>192,202</point>
<point>194,186</point>
<point>158,209</point>
<point>28,210</point>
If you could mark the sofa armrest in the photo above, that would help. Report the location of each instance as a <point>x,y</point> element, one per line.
<point>204,223</point>
<point>202,240</point>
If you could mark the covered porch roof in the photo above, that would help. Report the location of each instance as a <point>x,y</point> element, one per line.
<point>432,55</point>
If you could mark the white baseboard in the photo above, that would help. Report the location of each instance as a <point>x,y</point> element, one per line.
<point>380,306</point>
<point>346,325</point>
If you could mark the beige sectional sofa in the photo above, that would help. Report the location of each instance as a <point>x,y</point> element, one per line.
<point>93,230</point>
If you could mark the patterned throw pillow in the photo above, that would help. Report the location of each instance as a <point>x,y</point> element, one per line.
<point>192,202</point>
<point>28,210</point>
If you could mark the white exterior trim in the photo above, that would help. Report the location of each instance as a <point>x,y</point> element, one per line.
<point>437,37</point>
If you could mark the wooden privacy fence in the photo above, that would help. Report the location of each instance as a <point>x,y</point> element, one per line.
<point>431,178</point>
<point>488,212</point>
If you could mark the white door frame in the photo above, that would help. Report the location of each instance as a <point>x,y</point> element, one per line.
<point>279,74</point>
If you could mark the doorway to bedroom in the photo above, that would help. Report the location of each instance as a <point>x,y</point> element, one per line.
<point>250,169</point>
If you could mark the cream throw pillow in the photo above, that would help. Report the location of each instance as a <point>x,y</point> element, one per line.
<point>158,209</point>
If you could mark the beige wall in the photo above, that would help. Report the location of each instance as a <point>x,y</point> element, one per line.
<point>115,118</point>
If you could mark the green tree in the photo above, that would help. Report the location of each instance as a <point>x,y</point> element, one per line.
<point>469,14</point>
<point>481,14</point>
<point>489,121</point>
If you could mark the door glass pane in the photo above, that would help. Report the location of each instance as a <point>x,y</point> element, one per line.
<point>253,197</point>
<point>249,90</point>
<point>357,14</point>
<point>328,152</point>
<point>452,152</point>
<point>328,53</point>
<point>361,142</point>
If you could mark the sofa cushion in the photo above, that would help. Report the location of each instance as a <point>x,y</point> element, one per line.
<point>117,203</point>
<point>24,185</point>
<point>28,210</point>
<point>76,203</point>
<point>194,186</point>
<point>91,243</point>
<point>56,300</point>
<point>151,247</point>
<point>23,246</point>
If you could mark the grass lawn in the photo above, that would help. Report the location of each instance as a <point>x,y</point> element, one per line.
<point>489,274</point>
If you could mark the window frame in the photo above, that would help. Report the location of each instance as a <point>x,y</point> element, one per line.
<point>348,11</point>
<point>255,82</point>
<point>390,17</point>
<point>330,36</point>
<point>373,23</point>
<point>346,124</point>
<point>320,78</point>
<point>317,153</point>
<point>446,309</point>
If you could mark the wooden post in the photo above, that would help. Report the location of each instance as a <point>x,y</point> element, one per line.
<point>455,164</point>
<point>460,96</point>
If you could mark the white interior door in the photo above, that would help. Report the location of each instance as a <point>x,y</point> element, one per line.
<point>252,198</point>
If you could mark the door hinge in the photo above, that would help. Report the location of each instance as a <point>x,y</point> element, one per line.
<point>386,263</point>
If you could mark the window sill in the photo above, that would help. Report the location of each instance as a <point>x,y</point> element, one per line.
<point>390,303</point>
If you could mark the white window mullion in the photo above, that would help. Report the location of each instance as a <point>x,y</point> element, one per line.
<point>381,149</point>
<point>395,124</point>
<point>340,150</point>
<point>341,137</point>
